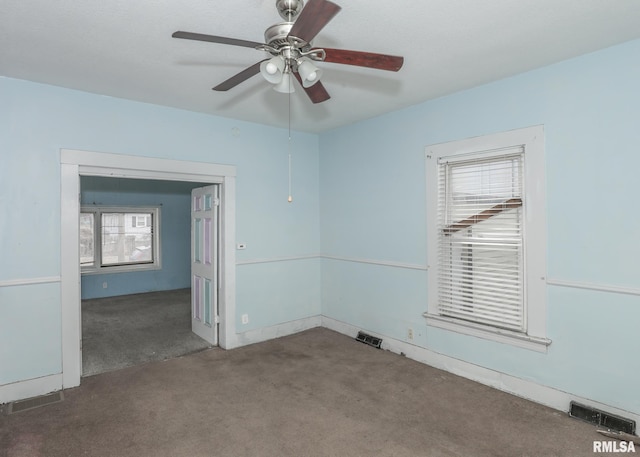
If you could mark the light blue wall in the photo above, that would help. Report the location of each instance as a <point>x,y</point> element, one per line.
<point>173,198</point>
<point>373,207</point>
<point>30,331</point>
<point>36,121</point>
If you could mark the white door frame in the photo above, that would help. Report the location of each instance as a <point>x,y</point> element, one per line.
<point>74,164</point>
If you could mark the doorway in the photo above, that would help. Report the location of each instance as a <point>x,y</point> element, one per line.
<point>84,163</point>
<point>137,308</point>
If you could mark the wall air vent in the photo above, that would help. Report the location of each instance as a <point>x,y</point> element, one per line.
<point>36,402</point>
<point>595,416</point>
<point>368,339</point>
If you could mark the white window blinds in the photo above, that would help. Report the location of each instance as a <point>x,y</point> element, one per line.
<point>480,238</point>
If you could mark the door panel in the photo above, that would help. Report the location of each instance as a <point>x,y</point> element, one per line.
<point>204,262</point>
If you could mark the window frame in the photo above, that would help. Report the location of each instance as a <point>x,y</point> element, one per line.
<point>534,336</point>
<point>98,267</point>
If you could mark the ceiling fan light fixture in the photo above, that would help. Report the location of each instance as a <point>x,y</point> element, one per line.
<point>285,86</point>
<point>273,69</point>
<point>309,73</point>
<point>291,53</point>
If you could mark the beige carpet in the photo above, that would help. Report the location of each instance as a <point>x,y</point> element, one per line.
<point>317,393</point>
<point>126,330</point>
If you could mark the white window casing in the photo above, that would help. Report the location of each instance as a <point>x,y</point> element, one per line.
<point>486,237</point>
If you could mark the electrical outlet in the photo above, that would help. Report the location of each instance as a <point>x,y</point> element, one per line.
<point>410,334</point>
<point>104,285</point>
<point>245,319</point>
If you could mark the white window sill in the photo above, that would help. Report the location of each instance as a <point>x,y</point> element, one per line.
<point>120,269</point>
<point>520,340</point>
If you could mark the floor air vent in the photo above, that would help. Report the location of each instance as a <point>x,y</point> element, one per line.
<point>368,339</point>
<point>36,402</point>
<point>595,416</point>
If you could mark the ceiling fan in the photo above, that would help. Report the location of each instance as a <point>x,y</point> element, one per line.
<point>293,55</point>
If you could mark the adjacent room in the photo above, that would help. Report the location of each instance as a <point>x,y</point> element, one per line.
<point>135,289</point>
<point>385,231</point>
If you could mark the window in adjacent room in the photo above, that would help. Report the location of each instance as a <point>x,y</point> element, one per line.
<point>486,237</point>
<point>119,239</point>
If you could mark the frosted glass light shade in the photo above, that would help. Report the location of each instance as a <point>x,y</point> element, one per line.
<point>309,73</point>
<point>272,69</point>
<point>285,86</point>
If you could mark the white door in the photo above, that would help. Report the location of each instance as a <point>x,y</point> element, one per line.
<point>205,206</point>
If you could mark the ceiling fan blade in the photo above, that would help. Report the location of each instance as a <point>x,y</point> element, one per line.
<point>364,59</point>
<point>216,39</point>
<point>314,16</point>
<point>240,77</point>
<point>317,93</point>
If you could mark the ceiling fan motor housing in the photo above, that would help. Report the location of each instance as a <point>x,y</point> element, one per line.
<point>276,35</point>
<point>280,43</point>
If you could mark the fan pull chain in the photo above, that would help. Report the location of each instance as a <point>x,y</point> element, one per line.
<point>290,199</point>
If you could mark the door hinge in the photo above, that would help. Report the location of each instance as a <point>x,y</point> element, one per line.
<point>216,201</point>
<point>216,320</point>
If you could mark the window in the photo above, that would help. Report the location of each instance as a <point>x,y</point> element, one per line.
<point>87,238</point>
<point>119,239</point>
<point>486,237</point>
<point>141,220</point>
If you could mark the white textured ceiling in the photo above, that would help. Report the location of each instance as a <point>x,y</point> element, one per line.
<point>124,48</point>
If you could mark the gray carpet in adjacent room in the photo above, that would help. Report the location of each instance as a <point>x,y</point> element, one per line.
<point>128,330</point>
<point>316,393</point>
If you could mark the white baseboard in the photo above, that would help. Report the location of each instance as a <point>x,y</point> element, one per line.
<point>277,331</point>
<point>529,390</point>
<point>30,388</point>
